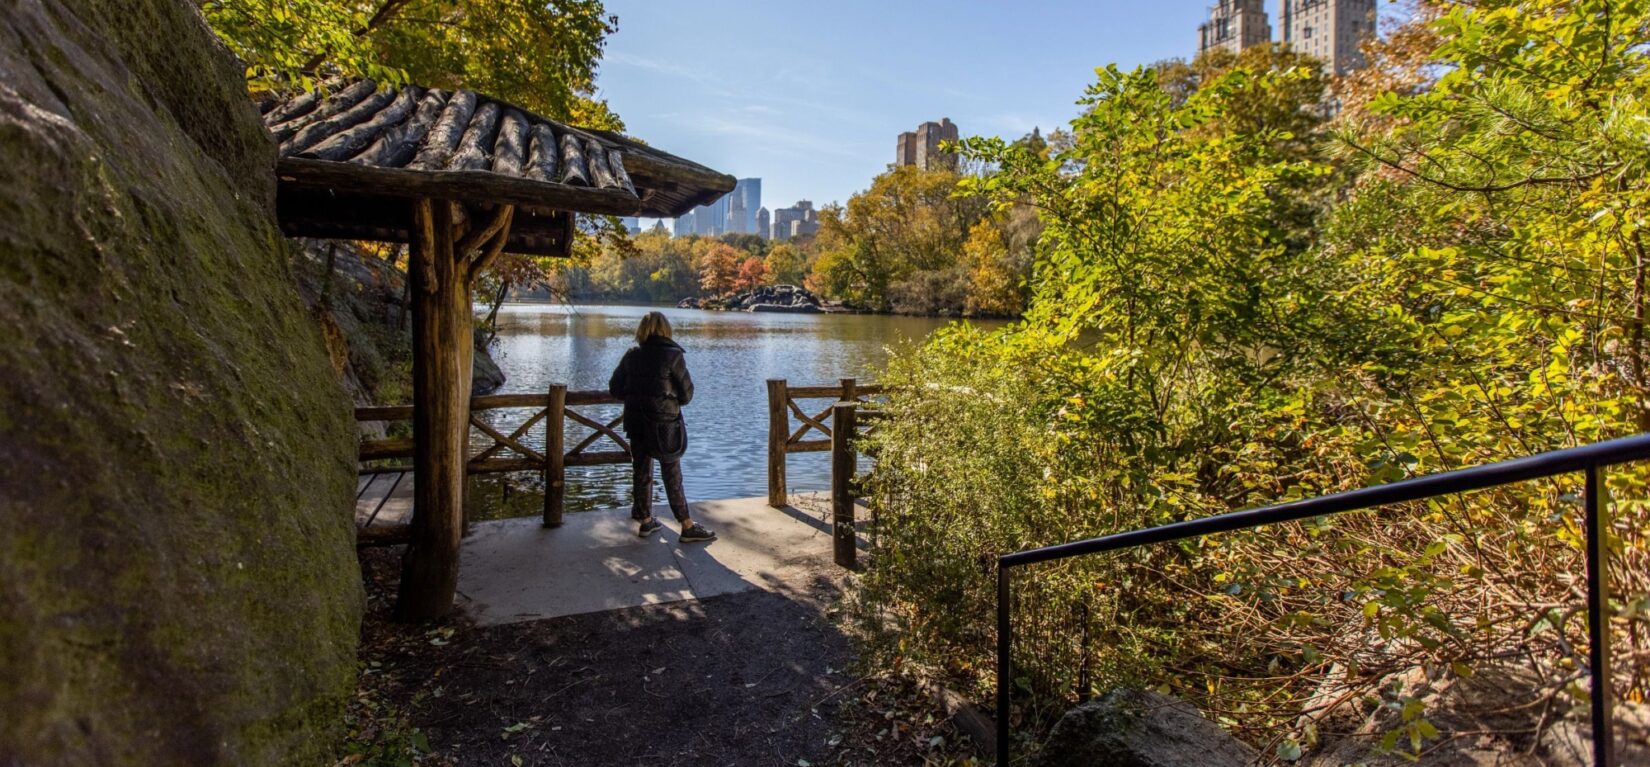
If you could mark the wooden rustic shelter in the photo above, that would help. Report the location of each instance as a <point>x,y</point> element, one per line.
<point>460,177</point>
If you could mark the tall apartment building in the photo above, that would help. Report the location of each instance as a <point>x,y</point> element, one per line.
<point>921,147</point>
<point>743,203</point>
<point>1331,30</point>
<point>796,221</point>
<point>764,226</point>
<point>1234,25</point>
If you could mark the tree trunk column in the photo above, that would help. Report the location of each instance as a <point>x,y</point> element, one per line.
<point>441,397</point>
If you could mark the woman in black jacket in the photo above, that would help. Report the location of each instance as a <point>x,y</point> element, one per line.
<point>653,381</point>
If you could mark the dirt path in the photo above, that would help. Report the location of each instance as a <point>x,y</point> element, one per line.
<point>754,678</point>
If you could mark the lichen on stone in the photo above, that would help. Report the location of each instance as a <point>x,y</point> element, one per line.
<point>177,573</point>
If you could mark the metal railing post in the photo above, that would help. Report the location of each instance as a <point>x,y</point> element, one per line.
<point>1589,459</point>
<point>1005,668</point>
<point>1598,619</point>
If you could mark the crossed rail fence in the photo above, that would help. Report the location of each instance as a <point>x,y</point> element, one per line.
<point>1590,460</point>
<point>841,423</point>
<point>511,452</point>
<point>557,408</point>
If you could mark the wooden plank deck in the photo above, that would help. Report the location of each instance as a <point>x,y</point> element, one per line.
<point>383,501</point>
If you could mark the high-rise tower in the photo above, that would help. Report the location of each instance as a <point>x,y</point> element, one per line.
<point>1331,30</point>
<point>796,221</point>
<point>1234,25</point>
<point>921,147</point>
<point>743,203</point>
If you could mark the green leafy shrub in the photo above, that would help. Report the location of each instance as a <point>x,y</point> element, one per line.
<point>1226,315</point>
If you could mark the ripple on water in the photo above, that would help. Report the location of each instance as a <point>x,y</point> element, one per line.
<point>730,354</point>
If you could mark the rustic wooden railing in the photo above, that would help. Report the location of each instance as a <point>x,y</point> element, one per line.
<point>850,420</point>
<point>782,440</point>
<point>510,452</point>
<point>840,423</point>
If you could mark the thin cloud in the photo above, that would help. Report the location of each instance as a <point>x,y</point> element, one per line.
<point>772,137</point>
<point>668,68</point>
<point>1013,124</point>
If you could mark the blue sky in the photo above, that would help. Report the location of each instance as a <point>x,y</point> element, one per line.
<point>809,97</point>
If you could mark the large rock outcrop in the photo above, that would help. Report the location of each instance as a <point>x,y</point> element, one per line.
<point>177,575</point>
<point>359,302</point>
<point>1141,728</point>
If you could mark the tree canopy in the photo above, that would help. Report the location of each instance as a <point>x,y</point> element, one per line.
<point>541,54</point>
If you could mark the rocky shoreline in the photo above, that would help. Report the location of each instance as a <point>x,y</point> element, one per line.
<point>787,299</point>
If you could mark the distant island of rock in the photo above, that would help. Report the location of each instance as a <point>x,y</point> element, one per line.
<point>792,299</point>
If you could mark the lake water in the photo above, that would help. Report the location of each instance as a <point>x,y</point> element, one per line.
<point>730,355</point>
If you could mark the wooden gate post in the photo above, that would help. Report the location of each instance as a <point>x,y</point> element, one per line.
<point>441,392</point>
<point>779,433</point>
<point>555,457</point>
<point>850,390</point>
<point>843,463</point>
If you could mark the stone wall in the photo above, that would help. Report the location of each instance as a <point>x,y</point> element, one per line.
<point>177,575</point>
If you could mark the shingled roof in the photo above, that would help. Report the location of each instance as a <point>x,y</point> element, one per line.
<point>351,155</point>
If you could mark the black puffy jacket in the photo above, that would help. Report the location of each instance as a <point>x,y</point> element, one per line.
<point>653,381</point>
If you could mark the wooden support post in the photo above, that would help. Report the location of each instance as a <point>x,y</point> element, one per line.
<point>843,463</point>
<point>443,361</point>
<point>779,432</point>
<point>464,344</point>
<point>850,390</point>
<point>441,393</point>
<point>555,456</point>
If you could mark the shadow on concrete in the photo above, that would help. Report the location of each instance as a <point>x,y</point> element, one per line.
<point>734,661</point>
<point>515,570</point>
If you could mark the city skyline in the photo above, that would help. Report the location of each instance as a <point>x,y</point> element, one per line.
<point>812,109</point>
<point>732,215</point>
<point>736,212</point>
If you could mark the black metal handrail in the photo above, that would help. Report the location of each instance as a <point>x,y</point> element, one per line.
<point>1590,459</point>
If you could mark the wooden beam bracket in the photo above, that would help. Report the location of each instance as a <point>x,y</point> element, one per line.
<point>494,247</point>
<point>477,236</point>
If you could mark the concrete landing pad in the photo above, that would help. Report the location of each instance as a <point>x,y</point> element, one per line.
<point>516,570</point>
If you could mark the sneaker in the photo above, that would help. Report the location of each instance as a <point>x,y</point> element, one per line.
<point>698,533</point>
<point>648,528</point>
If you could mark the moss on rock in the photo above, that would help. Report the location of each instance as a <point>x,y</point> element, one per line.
<point>177,574</point>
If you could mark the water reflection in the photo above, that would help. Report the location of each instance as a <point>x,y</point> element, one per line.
<point>731,356</point>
